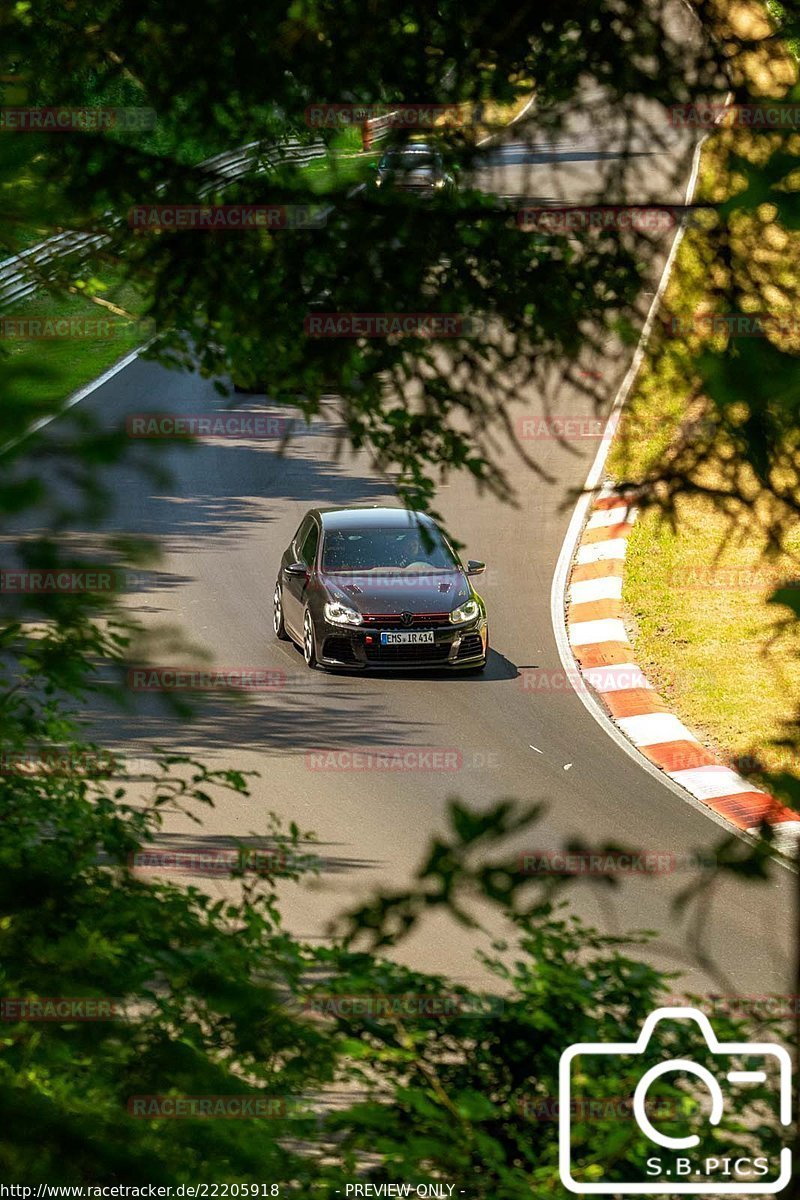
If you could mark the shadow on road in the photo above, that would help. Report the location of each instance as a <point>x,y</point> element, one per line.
<point>497,668</point>
<point>216,856</point>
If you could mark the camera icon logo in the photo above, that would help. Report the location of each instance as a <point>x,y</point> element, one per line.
<point>677,1172</point>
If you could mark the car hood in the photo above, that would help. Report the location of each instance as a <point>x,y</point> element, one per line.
<point>440,591</point>
<point>418,175</point>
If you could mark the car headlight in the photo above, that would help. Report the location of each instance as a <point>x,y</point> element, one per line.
<point>340,614</point>
<point>467,612</point>
<point>439,183</point>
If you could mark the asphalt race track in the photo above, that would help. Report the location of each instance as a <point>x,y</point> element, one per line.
<point>223,522</point>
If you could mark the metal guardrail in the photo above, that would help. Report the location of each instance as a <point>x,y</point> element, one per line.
<point>233,163</point>
<point>23,273</point>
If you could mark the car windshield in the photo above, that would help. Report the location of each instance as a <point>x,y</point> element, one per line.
<point>393,549</point>
<point>408,160</point>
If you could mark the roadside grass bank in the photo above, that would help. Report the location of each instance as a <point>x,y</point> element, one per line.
<point>701,568</point>
<point>51,346</point>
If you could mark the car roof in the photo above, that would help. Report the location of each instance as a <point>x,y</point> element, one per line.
<point>370,517</point>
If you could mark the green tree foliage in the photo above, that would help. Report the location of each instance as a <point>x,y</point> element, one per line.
<point>216,997</point>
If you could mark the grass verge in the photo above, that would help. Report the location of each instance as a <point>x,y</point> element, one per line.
<point>99,324</point>
<point>698,581</point>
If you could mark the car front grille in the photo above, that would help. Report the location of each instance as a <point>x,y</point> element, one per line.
<point>424,652</point>
<point>339,648</point>
<point>471,645</point>
<point>436,620</point>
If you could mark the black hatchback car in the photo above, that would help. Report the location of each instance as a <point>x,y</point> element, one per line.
<point>415,168</point>
<point>379,587</point>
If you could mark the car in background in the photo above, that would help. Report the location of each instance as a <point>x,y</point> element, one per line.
<point>415,168</point>
<point>379,587</point>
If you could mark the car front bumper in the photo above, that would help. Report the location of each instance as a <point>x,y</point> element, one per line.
<point>453,647</point>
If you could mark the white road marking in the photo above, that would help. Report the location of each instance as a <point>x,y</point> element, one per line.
<point>76,397</point>
<point>513,121</point>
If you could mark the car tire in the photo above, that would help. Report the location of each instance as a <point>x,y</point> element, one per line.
<point>309,642</point>
<point>277,615</point>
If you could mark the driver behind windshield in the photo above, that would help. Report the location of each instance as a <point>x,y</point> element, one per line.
<point>386,550</point>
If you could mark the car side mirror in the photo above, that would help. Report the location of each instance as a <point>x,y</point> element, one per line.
<point>474,567</point>
<point>296,568</point>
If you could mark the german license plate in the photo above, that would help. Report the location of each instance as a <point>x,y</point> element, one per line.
<point>404,636</point>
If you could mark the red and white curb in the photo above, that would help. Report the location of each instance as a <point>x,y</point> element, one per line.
<point>604,655</point>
